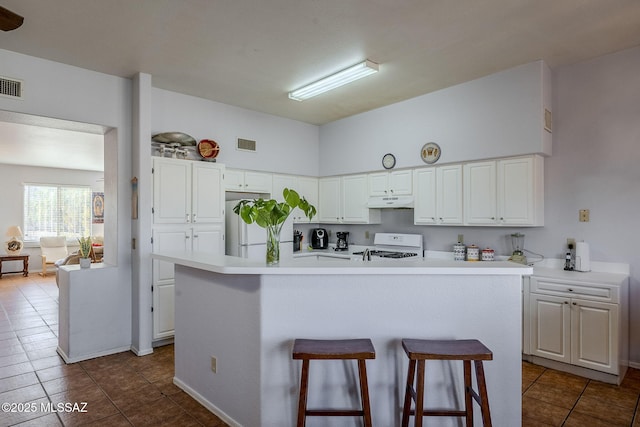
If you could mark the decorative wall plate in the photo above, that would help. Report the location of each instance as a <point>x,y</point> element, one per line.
<point>208,148</point>
<point>430,152</point>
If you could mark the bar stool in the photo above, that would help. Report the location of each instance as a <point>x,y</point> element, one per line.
<point>466,350</point>
<point>350,349</point>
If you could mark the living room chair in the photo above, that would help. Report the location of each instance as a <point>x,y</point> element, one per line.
<point>53,249</point>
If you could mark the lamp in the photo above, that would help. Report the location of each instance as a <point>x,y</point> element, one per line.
<point>13,246</point>
<point>333,81</point>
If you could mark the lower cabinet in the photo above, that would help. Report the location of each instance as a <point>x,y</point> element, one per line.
<point>580,323</point>
<point>206,238</point>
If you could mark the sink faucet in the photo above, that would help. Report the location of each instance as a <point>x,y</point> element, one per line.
<point>366,255</point>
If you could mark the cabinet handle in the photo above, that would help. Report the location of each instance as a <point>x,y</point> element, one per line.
<point>570,290</point>
<point>186,237</point>
<point>575,303</point>
<point>493,218</point>
<point>391,191</point>
<point>187,218</point>
<point>194,217</point>
<point>385,191</point>
<point>501,218</point>
<point>195,236</point>
<point>566,302</point>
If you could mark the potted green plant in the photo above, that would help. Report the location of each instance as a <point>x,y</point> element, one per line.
<point>271,215</point>
<point>84,251</point>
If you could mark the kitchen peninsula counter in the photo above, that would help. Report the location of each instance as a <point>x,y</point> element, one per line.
<point>246,316</point>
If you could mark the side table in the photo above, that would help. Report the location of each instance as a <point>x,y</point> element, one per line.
<point>23,258</point>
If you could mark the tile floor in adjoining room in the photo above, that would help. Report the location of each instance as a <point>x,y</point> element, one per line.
<point>126,390</point>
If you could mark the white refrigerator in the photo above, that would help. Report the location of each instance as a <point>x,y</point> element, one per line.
<point>250,240</point>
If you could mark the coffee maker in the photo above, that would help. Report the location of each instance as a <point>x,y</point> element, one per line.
<point>342,244</point>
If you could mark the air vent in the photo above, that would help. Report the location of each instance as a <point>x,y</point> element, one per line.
<point>246,145</point>
<point>11,88</point>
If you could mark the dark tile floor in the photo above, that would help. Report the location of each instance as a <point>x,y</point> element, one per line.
<point>126,390</point>
<point>553,398</point>
<point>119,390</point>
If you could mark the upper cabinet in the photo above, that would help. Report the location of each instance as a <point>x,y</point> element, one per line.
<point>343,200</point>
<point>186,192</point>
<point>305,186</point>
<point>505,192</point>
<point>396,183</point>
<point>438,195</point>
<point>247,181</point>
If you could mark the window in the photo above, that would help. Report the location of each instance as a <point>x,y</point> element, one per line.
<point>56,210</point>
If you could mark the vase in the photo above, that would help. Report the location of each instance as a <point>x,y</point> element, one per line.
<point>273,244</point>
<point>85,262</point>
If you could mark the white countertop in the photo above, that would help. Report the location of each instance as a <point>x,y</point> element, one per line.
<point>579,276</point>
<point>309,264</point>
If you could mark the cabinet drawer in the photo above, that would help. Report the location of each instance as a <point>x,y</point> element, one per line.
<point>590,291</point>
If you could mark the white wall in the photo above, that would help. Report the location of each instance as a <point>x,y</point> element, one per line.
<point>495,116</point>
<point>283,145</point>
<point>13,177</point>
<point>70,93</point>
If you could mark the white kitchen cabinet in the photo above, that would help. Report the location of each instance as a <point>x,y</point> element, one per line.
<point>186,191</point>
<point>508,192</point>
<point>580,323</point>
<point>343,200</point>
<point>438,195</point>
<point>306,187</point>
<point>203,238</point>
<point>248,181</point>
<point>396,183</point>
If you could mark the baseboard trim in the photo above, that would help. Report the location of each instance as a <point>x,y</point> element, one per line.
<point>204,402</point>
<point>69,360</point>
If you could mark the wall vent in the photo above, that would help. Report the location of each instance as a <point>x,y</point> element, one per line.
<point>246,144</point>
<point>10,88</point>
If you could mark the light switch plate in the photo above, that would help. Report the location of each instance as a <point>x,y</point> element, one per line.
<point>584,215</point>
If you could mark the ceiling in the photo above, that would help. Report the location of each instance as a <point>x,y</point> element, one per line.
<point>250,53</point>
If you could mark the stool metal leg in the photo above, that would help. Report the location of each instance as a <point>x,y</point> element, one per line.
<point>484,398</point>
<point>408,393</point>
<point>364,392</point>
<point>302,401</point>
<point>468,393</point>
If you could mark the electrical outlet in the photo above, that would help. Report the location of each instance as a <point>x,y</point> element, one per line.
<point>214,364</point>
<point>366,234</point>
<point>571,243</point>
<point>460,238</point>
<point>584,215</point>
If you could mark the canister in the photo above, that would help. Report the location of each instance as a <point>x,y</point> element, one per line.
<point>488,254</point>
<point>473,253</point>
<point>459,252</point>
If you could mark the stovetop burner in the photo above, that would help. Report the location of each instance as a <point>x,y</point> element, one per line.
<point>389,254</point>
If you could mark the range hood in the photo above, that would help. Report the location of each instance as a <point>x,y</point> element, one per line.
<point>390,202</point>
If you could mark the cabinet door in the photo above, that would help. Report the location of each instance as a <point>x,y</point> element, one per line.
<point>207,193</point>
<point>233,180</point>
<point>168,239</point>
<point>424,211</point>
<point>550,327</point>
<point>378,184</point>
<point>307,187</point>
<point>480,202</point>
<point>209,239</point>
<point>401,183</point>
<point>258,182</point>
<point>354,199</point>
<point>594,337</point>
<point>163,310</point>
<point>280,182</point>
<point>449,194</point>
<point>516,191</point>
<point>171,191</point>
<point>329,200</point>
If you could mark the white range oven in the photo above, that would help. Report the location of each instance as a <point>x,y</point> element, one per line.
<point>394,246</point>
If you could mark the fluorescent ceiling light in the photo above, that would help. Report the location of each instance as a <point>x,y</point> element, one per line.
<point>333,81</point>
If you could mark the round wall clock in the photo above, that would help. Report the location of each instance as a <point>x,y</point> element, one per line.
<point>430,152</point>
<point>388,161</point>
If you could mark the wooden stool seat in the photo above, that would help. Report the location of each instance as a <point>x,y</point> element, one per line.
<point>419,351</point>
<point>350,349</point>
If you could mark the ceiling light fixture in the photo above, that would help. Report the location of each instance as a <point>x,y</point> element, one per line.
<point>333,81</point>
